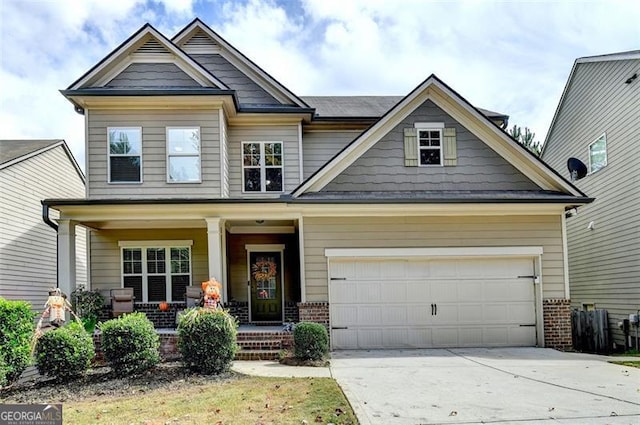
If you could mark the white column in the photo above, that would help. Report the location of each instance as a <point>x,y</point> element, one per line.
<point>67,256</point>
<point>215,252</point>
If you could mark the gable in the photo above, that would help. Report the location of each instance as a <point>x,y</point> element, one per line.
<point>152,75</point>
<point>382,167</point>
<point>253,85</point>
<point>247,90</point>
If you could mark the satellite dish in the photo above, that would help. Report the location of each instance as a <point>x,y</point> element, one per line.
<point>577,169</point>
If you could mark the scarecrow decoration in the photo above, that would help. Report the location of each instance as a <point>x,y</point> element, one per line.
<point>211,289</point>
<point>55,307</point>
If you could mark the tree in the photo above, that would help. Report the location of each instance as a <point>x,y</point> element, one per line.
<point>526,139</point>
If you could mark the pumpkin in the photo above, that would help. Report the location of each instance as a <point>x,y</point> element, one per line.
<point>164,306</point>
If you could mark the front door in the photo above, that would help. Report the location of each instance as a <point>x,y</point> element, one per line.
<point>265,280</point>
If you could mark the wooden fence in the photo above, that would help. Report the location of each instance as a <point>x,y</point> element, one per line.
<point>590,331</point>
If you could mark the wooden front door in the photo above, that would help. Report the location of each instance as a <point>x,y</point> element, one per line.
<point>265,282</point>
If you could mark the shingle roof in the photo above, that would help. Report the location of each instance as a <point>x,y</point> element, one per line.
<point>14,149</point>
<point>362,106</point>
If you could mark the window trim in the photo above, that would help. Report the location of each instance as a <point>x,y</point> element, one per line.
<point>263,167</point>
<point>430,126</point>
<point>606,159</point>
<point>169,155</point>
<point>167,246</point>
<point>109,155</point>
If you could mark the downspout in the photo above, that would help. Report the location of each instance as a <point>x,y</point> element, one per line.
<point>54,226</point>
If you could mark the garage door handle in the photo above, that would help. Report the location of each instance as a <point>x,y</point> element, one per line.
<point>436,306</point>
<point>434,309</point>
<point>522,326</point>
<point>338,327</point>
<point>338,278</point>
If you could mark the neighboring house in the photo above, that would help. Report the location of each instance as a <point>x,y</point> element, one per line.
<point>30,171</point>
<point>598,122</point>
<point>397,222</point>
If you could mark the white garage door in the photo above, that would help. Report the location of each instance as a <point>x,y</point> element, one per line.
<point>421,303</point>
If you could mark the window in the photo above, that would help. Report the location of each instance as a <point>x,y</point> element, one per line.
<point>183,155</point>
<point>598,154</point>
<point>156,273</point>
<point>125,154</point>
<point>430,143</point>
<point>262,166</point>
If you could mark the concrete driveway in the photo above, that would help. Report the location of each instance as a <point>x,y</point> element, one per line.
<point>468,386</point>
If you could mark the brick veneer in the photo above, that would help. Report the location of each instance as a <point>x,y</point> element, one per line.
<point>239,310</point>
<point>557,324</point>
<point>314,312</point>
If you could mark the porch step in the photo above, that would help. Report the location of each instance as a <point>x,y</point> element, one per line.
<point>260,344</point>
<point>258,355</point>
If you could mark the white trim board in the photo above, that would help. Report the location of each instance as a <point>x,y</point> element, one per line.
<point>501,251</point>
<point>143,244</point>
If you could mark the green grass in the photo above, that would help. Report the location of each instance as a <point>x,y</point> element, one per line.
<point>246,400</point>
<point>628,363</point>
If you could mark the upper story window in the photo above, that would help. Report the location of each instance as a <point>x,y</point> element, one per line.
<point>155,271</point>
<point>183,155</point>
<point>262,167</point>
<point>125,154</point>
<point>598,154</point>
<point>430,143</point>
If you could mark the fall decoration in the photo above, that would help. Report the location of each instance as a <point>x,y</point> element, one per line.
<point>164,306</point>
<point>263,270</point>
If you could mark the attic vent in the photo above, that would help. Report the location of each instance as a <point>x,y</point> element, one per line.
<point>152,46</point>
<point>200,39</point>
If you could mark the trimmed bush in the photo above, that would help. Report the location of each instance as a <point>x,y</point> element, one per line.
<point>130,344</point>
<point>64,353</point>
<point>3,372</point>
<point>310,341</point>
<point>207,340</point>
<point>16,331</point>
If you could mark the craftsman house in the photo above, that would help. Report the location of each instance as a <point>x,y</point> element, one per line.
<point>410,221</point>
<point>598,123</point>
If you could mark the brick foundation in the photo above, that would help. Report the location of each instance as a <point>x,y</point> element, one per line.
<point>168,345</point>
<point>557,324</point>
<point>239,310</point>
<point>314,312</point>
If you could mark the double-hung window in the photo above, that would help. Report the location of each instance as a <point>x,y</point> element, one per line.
<point>157,271</point>
<point>125,154</point>
<point>430,143</point>
<point>598,154</point>
<point>183,155</point>
<point>262,169</point>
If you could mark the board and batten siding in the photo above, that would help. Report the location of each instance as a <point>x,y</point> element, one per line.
<point>288,134</point>
<point>105,253</point>
<point>247,90</point>
<point>139,75</point>
<point>27,245</point>
<point>382,167</point>
<point>604,263</point>
<point>154,153</point>
<point>431,232</point>
<point>319,147</point>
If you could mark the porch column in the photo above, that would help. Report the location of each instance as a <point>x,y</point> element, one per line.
<point>215,231</point>
<point>67,256</point>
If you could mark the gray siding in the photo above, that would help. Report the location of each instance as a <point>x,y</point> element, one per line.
<point>247,90</point>
<point>27,245</point>
<point>319,147</point>
<point>432,232</point>
<point>105,253</point>
<point>382,167</point>
<point>154,153</point>
<point>152,75</point>
<point>604,263</point>
<point>224,130</point>
<point>288,134</point>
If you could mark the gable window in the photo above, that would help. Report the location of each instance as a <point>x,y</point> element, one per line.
<point>262,167</point>
<point>125,154</point>
<point>183,155</point>
<point>430,143</point>
<point>158,271</point>
<point>598,154</point>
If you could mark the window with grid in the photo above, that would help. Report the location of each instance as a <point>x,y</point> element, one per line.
<point>430,146</point>
<point>262,168</point>
<point>162,276</point>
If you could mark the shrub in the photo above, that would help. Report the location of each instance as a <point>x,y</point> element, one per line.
<point>310,341</point>
<point>207,340</point>
<point>3,372</point>
<point>130,344</point>
<point>65,352</point>
<point>16,330</point>
<point>87,305</point>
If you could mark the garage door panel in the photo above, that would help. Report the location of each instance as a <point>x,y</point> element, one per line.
<point>423,303</point>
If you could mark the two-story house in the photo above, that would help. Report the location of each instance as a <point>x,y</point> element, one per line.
<point>598,123</point>
<point>410,221</point>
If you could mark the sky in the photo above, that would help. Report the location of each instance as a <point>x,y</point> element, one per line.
<point>512,57</point>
